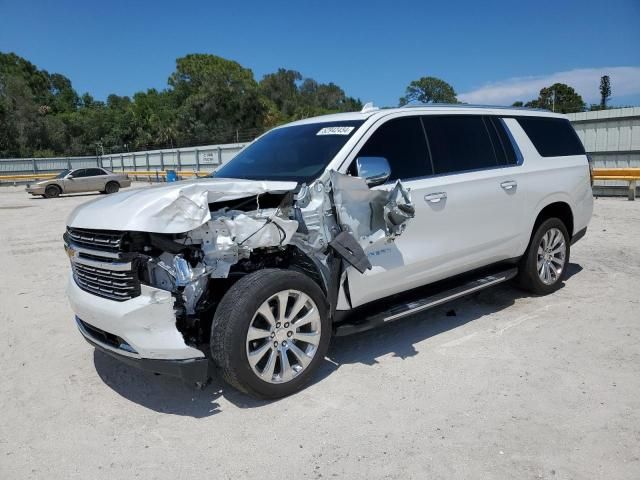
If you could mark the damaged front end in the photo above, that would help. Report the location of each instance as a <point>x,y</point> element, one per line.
<point>194,241</point>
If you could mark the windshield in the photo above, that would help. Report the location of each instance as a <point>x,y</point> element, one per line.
<point>299,153</point>
<point>63,174</point>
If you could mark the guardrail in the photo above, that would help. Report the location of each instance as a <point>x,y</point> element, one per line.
<point>631,175</point>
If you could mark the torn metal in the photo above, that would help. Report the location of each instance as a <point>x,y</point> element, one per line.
<point>371,215</point>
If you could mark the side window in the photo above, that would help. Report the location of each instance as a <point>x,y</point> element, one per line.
<point>401,141</point>
<point>503,144</point>
<point>94,172</point>
<point>552,137</point>
<point>79,173</point>
<point>459,143</point>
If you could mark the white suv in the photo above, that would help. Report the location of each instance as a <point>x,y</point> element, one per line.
<point>324,226</point>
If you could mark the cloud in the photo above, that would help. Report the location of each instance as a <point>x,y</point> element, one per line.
<point>586,81</point>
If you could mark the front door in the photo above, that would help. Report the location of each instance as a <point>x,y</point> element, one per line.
<point>76,181</point>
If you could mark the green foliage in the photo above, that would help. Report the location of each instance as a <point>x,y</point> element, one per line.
<point>295,97</point>
<point>559,97</point>
<point>209,99</point>
<point>605,91</point>
<point>429,90</point>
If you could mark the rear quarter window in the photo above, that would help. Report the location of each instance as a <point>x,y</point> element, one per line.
<point>552,137</point>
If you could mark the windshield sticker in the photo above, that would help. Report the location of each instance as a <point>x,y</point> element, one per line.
<point>335,131</point>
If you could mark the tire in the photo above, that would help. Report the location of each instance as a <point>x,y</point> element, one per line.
<point>233,343</point>
<point>540,251</point>
<point>111,187</point>
<point>52,191</point>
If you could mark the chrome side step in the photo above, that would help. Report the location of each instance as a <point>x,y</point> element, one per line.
<point>409,308</point>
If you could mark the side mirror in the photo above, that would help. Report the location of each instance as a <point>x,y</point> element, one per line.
<point>375,170</point>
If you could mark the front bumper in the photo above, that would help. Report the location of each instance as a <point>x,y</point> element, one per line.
<point>191,370</point>
<point>145,325</point>
<point>35,190</point>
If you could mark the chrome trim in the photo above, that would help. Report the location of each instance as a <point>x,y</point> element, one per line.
<point>435,197</point>
<point>509,184</point>
<point>88,251</point>
<point>117,266</point>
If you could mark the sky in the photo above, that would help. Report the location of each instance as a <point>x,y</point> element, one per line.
<point>491,52</point>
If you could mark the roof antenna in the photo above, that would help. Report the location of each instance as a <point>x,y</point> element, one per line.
<point>369,107</point>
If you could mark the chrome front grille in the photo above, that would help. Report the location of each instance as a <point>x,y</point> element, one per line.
<point>104,240</point>
<point>117,285</point>
<point>98,266</point>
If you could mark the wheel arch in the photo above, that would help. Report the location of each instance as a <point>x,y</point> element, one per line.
<point>556,209</point>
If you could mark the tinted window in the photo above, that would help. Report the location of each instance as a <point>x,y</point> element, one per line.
<point>552,137</point>
<point>93,172</point>
<point>297,153</point>
<point>79,173</point>
<point>502,143</point>
<point>459,143</point>
<point>401,141</point>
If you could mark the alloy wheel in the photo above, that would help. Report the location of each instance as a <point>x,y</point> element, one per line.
<point>551,256</point>
<point>283,336</point>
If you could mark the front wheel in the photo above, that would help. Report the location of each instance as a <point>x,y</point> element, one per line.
<point>52,191</point>
<point>543,266</point>
<point>270,332</point>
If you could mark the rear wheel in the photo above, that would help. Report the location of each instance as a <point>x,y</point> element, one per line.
<point>270,332</point>
<point>543,267</point>
<point>111,187</point>
<point>52,191</point>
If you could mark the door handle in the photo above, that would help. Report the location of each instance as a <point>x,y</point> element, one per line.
<point>435,197</point>
<point>509,184</point>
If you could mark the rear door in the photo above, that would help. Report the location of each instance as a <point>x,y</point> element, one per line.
<point>96,179</point>
<point>465,196</point>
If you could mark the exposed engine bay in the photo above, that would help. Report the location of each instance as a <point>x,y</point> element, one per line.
<point>242,226</point>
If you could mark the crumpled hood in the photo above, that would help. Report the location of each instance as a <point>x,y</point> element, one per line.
<point>170,208</point>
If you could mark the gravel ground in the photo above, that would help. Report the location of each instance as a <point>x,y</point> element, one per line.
<point>511,386</point>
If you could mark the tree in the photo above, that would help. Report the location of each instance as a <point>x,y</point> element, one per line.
<point>429,90</point>
<point>558,98</point>
<point>605,91</point>
<point>210,99</point>
<point>217,98</point>
<point>517,104</point>
<point>281,88</point>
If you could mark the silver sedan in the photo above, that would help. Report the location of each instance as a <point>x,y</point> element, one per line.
<point>80,180</point>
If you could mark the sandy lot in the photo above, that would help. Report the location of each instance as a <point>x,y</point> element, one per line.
<point>512,386</point>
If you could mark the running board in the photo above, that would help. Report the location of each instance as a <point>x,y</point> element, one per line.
<point>409,308</point>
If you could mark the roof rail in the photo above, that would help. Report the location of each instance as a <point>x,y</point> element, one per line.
<point>469,105</point>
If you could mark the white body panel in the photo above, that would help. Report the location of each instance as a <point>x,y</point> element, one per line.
<point>478,223</point>
<point>146,322</point>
